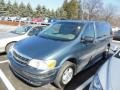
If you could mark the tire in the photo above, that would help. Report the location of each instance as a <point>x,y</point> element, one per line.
<point>60,79</point>
<point>9,46</point>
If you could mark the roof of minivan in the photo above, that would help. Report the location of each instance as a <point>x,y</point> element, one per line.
<point>82,21</point>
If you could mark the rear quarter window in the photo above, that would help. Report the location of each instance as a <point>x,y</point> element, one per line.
<point>103,29</point>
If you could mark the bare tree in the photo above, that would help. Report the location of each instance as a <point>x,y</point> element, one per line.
<point>92,8</point>
<point>109,12</point>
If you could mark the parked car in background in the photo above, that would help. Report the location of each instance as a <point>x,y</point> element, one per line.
<point>2,17</point>
<point>108,76</point>
<point>51,20</point>
<point>116,35</point>
<point>46,20</point>
<point>6,18</point>
<point>17,18</point>
<point>60,51</point>
<point>37,20</point>
<point>9,38</point>
<point>25,19</point>
<point>12,18</point>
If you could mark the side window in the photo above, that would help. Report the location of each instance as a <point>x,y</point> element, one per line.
<point>102,30</point>
<point>89,31</point>
<point>108,29</point>
<point>35,31</point>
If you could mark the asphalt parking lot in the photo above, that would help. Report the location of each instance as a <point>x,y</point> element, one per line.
<point>4,28</point>
<point>80,82</point>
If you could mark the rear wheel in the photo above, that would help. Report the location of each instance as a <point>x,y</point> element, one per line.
<point>8,47</point>
<point>65,74</point>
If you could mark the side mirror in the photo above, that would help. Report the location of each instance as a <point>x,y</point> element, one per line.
<point>87,39</point>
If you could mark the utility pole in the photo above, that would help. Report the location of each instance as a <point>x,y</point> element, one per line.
<point>88,17</point>
<point>82,1</point>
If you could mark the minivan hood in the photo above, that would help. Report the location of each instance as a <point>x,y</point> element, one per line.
<point>7,35</point>
<point>39,48</point>
<point>109,74</point>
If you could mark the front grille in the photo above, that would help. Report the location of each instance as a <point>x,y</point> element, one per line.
<point>20,59</point>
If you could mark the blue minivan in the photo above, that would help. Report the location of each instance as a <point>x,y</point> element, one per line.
<point>60,51</point>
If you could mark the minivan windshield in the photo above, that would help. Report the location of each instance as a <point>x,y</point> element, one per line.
<point>62,31</point>
<point>22,30</point>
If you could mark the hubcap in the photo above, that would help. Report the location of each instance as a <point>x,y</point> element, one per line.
<point>67,75</point>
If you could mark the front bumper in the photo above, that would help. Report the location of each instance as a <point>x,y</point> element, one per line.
<point>30,75</point>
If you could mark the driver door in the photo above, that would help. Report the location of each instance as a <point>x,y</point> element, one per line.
<point>87,47</point>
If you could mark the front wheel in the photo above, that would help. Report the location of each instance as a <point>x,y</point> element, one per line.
<point>65,74</point>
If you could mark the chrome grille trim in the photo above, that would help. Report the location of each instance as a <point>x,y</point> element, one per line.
<point>19,58</point>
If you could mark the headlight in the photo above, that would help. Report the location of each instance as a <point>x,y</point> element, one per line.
<point>96,85</point>
<point>42,65</point>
